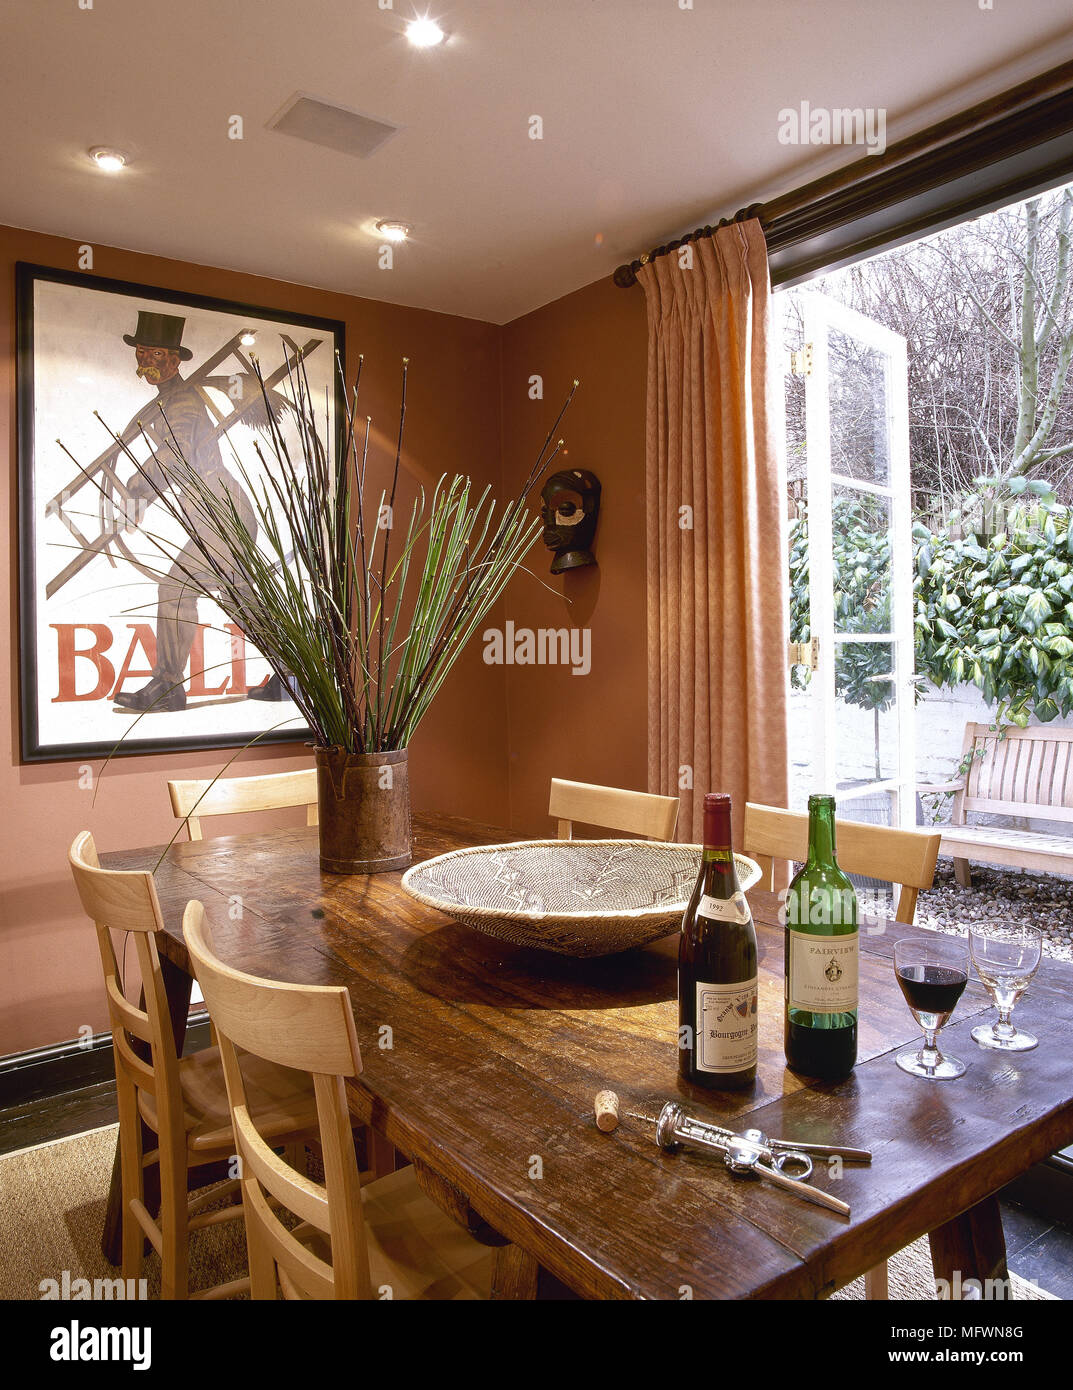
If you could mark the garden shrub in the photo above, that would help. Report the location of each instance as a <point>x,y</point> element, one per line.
<point>995,611</point>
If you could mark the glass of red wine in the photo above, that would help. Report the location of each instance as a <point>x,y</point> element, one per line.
<point>932,973</point>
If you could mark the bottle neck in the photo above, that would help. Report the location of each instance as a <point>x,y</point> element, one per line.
<point>718,845</point>
<point>821,834</point>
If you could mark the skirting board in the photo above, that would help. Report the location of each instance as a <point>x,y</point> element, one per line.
<point>71,1066</point>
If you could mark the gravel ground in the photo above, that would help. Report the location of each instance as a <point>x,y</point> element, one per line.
<point>1044,900</point>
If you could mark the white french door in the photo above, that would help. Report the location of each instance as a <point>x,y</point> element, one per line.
<point>860,561</point>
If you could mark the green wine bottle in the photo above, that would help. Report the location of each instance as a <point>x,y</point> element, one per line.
<point>821,956</point>
<point>717,975</point>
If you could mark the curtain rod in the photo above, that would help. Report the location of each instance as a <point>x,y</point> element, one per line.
<point>1039,108</point>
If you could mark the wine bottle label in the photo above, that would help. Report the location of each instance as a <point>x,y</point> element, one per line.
<point>734,909</point>
<point>726,1026</point>
<point>823,972</point>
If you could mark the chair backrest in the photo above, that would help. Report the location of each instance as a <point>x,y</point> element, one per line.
<point>192,800</point>
<point>905,858</point>
<point>126,900</point>
<point>1017,772</point>
<point>634,813</point>
<point>309,1028</point>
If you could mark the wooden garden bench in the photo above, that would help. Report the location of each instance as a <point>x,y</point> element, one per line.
<point>1011,772</point>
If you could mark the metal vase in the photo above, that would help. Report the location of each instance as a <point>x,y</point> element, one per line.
<point>364,803</point>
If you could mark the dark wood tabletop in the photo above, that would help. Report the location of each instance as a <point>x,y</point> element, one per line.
<point>496,1054</point>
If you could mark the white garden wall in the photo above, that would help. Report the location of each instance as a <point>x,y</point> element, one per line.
<point>941,716</point>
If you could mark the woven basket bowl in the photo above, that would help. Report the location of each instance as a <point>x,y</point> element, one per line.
<point>574,897</point>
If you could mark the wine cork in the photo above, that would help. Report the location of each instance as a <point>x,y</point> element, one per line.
<point>606,1111</point>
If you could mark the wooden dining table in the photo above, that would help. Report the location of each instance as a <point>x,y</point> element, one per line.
<point>481,1061</point>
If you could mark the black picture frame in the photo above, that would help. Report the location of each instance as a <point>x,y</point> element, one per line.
<point>36,744</point>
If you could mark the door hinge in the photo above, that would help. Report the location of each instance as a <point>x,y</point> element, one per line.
<point>805,653</point>
<point>801,361</point>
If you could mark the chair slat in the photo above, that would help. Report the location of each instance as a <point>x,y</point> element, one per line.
<point>234,795</point>
<point>902,857</point>
<point>139,1071</point>
<point>306,1199</point>
<point>311,1274</point>
<point>613,808</point>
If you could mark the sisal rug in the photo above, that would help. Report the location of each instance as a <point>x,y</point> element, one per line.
<point>52,1204</point>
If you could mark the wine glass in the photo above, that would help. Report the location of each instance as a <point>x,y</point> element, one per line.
<point>1006,957</point>
<point>932,974</point>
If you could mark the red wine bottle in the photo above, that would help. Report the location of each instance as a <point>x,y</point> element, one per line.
<point>717,980</point>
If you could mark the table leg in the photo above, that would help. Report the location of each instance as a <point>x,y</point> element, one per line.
<point>876,1283</point>
<point>972,1247</point>
<point>383,1158</point>
<point>177,984</point>
<point>515,1274</point>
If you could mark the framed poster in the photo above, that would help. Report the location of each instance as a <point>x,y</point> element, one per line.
<point>111,642</point>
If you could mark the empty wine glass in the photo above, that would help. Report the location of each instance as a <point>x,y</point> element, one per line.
<point>1006,957</point>
<point>932,974</point>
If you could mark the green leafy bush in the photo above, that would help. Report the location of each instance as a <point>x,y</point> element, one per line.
<point>998,613</point>
<point>861,599</point>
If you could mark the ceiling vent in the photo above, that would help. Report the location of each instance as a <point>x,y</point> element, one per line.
<point>334,127</point>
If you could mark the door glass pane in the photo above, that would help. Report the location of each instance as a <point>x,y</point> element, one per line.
<point>865,714</point>
<point>861,527</point>
<point>860,433</point>
<point>875,897</point>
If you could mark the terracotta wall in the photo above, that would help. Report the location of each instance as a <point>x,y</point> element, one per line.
<point>590,728</point>
<point>49,973</point>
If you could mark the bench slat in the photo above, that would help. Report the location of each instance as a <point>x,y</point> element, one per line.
<point>1032,810</point>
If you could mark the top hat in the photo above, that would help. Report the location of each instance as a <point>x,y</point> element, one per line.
<point>159,331</point>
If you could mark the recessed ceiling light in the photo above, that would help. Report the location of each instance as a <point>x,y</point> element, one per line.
<point>248,338</point>
<point>424,33</point>
<point>392,230</point>
<point>111,161</point>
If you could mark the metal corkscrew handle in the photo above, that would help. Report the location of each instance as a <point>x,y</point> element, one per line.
<point>742,1154</point>
<point>676,1128</point>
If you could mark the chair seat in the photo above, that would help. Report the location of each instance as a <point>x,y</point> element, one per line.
<point>415,1249</point>
<point>281,1101</point>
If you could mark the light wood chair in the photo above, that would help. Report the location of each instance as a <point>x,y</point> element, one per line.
<point>183,1101</point>
<point>271,792</point>
<point>634,813</point>
<point>386,1240</point>
<point>904,858</point>
<point>192,800</point>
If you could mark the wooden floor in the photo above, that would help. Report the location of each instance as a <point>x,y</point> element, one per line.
<point>1038,1249</point>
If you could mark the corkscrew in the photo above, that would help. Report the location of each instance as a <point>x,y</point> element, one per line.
<point>779,1161</point>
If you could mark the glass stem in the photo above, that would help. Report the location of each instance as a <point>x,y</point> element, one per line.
<point>1003,1028</point>
<point>930,1056</point>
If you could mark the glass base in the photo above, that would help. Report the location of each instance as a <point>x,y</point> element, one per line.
<point>946,1069</point>
<point>1018,1041</point>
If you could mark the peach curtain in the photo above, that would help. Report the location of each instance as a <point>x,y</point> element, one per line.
<point>717,655</point>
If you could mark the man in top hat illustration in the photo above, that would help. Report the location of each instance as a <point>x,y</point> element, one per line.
<point>181,424</point>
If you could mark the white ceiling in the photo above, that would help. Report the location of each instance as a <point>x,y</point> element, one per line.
<point>655,119</point>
